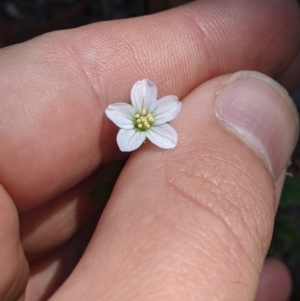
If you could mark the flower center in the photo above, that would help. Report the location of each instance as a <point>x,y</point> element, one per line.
<point>144,120</point>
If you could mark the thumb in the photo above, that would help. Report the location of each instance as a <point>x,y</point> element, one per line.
<point>195,222</point>
<point>13,264</point>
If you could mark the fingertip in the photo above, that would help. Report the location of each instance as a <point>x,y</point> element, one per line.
<point>275,282</point>
<point>260,112</point>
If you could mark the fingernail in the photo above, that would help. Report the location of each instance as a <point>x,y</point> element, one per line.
<point>259,111</point>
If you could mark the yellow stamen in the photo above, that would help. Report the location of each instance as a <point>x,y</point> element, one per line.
<point>150,117</point>
<point>144,120</point>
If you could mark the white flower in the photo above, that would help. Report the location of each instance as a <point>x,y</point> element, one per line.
<point>147,117</point>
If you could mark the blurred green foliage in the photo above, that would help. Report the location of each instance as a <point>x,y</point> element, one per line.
<point>291,192</point>
<point>104,187</point>
<point>286,236</point>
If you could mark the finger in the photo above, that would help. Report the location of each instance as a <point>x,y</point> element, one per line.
<point>275,283</point>
<point>56,87</point>
<point>49,272</point>
<point>54,223</point>
<point>13,264</point>
<point>195,222</point>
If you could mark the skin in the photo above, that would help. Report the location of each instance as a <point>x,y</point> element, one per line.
<point>55,139</point>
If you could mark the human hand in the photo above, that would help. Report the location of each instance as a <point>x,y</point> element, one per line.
<point>193,223</point>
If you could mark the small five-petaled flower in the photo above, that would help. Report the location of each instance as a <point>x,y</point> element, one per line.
<point>145,118</point>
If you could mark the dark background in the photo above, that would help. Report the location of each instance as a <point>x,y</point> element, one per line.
<point>21,20</point>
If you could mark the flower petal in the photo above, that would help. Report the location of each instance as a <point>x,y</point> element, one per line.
<point>129,140</point>
<point>143,95</point>
<point>122,114</point>
<point>163,136</point>
<point>167,109</point>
